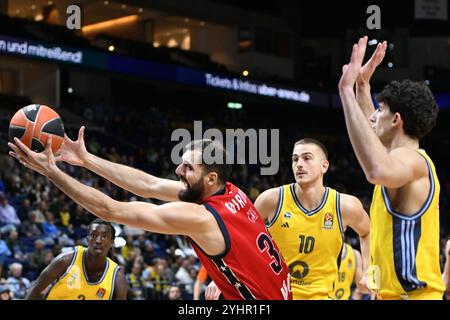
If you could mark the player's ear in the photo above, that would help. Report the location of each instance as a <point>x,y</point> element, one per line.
<point>325,166</point>
<point>397,119</point>
<point>212,178</point>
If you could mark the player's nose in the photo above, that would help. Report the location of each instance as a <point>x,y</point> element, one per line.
<point>179,170</point>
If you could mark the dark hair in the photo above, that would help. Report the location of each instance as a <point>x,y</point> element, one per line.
<point>414,102</point>
<point>214,148</point>
<point>313,141</point>
<point>106,223</point>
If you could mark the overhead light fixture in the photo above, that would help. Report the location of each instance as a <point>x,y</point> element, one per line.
<point>69,90</point>
<point>39,17</point>
<point>245,73</point>
<point>141,10</point>
<point>111,48</point>
<point>124,6</point>
<point>109,23</point>
<point>202,23</point>
<point>50,3</point>
<point>234,105</point>
<point>186,20</point>
<point>372,42</point>
<point>390,65</point>
<point>33,7</point>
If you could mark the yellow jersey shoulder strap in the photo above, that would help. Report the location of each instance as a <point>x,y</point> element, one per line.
<point>281,195</point>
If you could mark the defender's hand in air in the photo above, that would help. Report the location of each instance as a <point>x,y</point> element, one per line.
<point>367,70</point>
<point>350,72</point>
<point>73,152</point>
<point>43,162</point>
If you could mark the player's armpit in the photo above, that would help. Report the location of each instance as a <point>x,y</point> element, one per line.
<point>266,204</point>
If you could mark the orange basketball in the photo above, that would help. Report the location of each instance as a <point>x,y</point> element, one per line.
<point>33,125</point>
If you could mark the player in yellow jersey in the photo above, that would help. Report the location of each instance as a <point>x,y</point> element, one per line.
<point>85,273</point>
<point>350,271</point>
<point>307,221</point>
<point>404,214</point>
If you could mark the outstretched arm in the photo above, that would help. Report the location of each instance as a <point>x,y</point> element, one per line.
<point>363,95</point>
<point>394,169</point>
<point>133,180</point>
<point>171,218</point>
<point>53,271</point>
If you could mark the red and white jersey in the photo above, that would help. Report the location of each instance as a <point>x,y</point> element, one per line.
<point>251,266</point>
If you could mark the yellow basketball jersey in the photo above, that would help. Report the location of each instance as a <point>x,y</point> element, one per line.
<point>74,285</point>
<point>404,249</point>
<point>343,283</point>
<point>309,241</point>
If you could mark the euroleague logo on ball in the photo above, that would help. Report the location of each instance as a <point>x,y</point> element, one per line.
<point>33,125</point>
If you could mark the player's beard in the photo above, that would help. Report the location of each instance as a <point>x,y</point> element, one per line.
<point>192,193</point>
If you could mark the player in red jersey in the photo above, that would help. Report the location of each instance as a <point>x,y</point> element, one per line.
<point>222,224</point>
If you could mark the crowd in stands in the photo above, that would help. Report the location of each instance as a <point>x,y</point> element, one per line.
<point>38,222</point>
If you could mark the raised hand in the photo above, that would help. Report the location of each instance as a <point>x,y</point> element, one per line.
<point>73,152</point>
<point>43,162</point>
<point>212,292</point>
<point>350,71</point>
<point>367,70</point>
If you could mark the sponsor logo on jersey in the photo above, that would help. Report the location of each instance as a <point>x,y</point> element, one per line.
<point>252,215</point>
<point>285,225</point>
<point>100,293</point>
<point>328,220</point>
<point>72,278</point>
<point>350,263</point>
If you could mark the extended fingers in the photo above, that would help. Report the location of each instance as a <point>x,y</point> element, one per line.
<point>27,151</point>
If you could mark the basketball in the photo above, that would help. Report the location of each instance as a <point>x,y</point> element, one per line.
<point>33,125</point>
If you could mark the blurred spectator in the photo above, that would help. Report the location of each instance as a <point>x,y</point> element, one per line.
<point>31,228</point>
<point>199,285</point>
<point>51,232</point>
<point>184,276</point>
<point>24,210</point>
<point>174,293</point>
<point>8,215</point>
<point>64,216</point>
<point>5,293</point>
<point>36,258</point>
<point>17,284</point>
<point>16,245</point>
<point>136,284</point>
<point>4,254</point>
<point>148,255</point>
<point>40,210</point>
